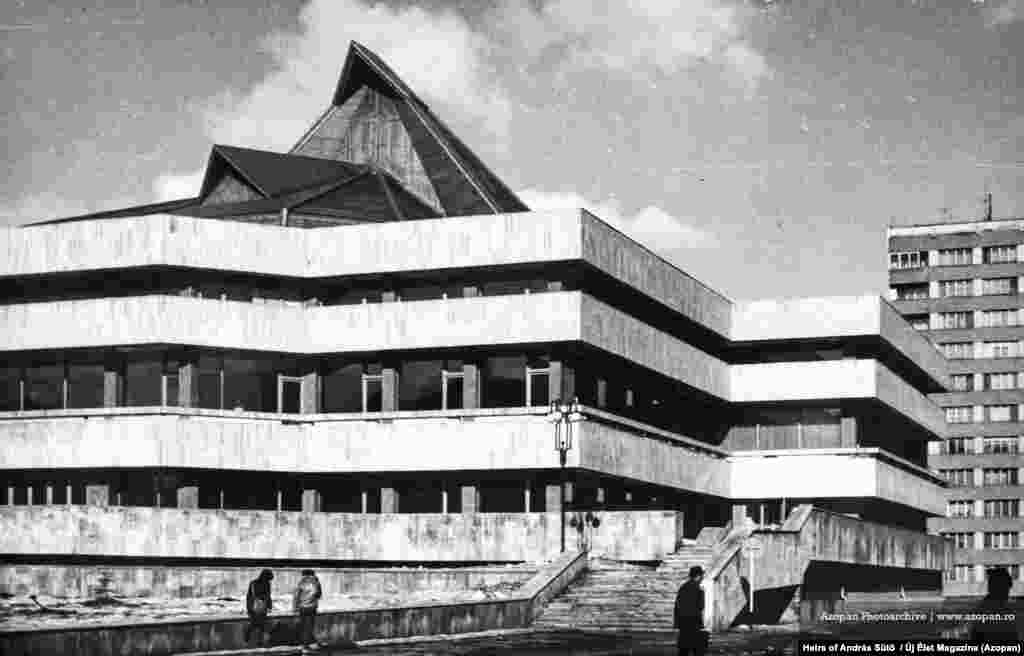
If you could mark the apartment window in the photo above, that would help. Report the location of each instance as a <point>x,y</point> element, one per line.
<point>958,477</point>
<point>341,386</point>
<point>1002,540</point>
<point>962,573</point>
<point>1001,508</point>
<point>537,385</point>
<point>959,445</point>
<point>504,382</point>
<point>999,254</point>
<point>961,414</point>
<point>957,350</point>
<point>962,382</point>
<point>998,286</point>
<point>1001,445</point>
<point>85,385</point>
<point>1001,412</point>
<point>420,384</point>
<point>998,318</point>
<point>960,508</point>
<point>918,321</point>
<point>960,540</point>
<point>908,259</point>
<point>373,392</point>
<point>1002,349</point>
<point>953,320</point>
<point>1013,569</point>
<point>954,288</point>
<point>913,292</point>
<point>955,256</point>
<point>999,476</point>
<point>453,386</point>
<point>1001,381</point>
<point>44,386</point>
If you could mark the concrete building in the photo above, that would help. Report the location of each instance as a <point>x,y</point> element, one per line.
<point>348,352</point>
<point>960,284</point>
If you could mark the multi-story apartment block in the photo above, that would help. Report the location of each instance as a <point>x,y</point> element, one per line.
<point>960,284</point>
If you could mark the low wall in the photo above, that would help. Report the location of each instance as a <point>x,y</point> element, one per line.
<point>256,534</point>
<point>163,638</point>
<point>183,582</point>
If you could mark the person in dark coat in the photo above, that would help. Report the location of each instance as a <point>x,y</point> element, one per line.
<point>689,615</point>
<point>258,604</point>
<point>307,598</point>
<point>996,603</point>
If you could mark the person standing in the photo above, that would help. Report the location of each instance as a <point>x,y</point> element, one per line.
<point>258,604</point>
<point>689,615</point>
<point>1000,623</point>
<point>307,598</point>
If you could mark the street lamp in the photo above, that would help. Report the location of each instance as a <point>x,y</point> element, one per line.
<point>563,416</point>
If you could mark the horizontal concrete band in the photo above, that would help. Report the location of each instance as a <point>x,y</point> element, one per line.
<point>251,534</point>
<point>451,242</point>
<point>439,443</point>
<point>835,473</point>
<point>523,319</point>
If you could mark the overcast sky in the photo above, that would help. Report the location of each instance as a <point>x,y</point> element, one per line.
<point>761,146</point>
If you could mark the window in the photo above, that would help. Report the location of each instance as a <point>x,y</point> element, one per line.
<point>342,386</point>
<point>999,476</point>
<point>962,573</point>
<point>957,350</point>
<point>420,385</point>
<point>955,288</point>
<point>504,382</point>
<point>962,414</point>
<point>962,382</point>
<point>1001,540</point>
<point>918,321</point>
<point>289,394</point>
<point>998,318</point>
<point>913,292</point>
<point>960,540</point>
<point>44,386</point>
<point>952,320</point>
<point>538,386</point>
<point>998,286</point>
<point>1001,445</point>
<point>955,256</point>
<point>959,445</point>
<point>960,508</point>
<point>1001,412</point>
<point>170,383</point>
<point>1001,381</point>
<point>211,382</point>
<point>998,254</point>
<point>908,259</point>
<point>85,385</point>
<point>1002,508</point>
<point>958,477</point>
<point>1002,349</point>
<point>10,388</point>
<point>453,389</point>
<point>1013,569</point>
<point>250,384</point>
<point>373,392</point>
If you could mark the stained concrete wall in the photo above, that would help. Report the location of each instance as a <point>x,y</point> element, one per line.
<point>253,534</point>
<point>203,581</point>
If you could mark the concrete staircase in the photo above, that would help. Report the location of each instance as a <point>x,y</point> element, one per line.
<point>615,596</point>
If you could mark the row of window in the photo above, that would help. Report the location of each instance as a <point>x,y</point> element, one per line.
<point>966,573</point>
<point>992,508</point>
<point>956,288</point>
<point>968,350</point>
<point>966,319</point>
<point>964,477</point>
<point>953,257</point>
<point>990,539</point>
<point>955,446</point>
<point>964,414</point>
<point>1002,380</point>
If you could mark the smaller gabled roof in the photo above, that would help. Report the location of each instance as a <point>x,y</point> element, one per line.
<point>270,173</point>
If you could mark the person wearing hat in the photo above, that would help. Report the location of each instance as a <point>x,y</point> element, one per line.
<point>689,615</point>
<point>258,604</point>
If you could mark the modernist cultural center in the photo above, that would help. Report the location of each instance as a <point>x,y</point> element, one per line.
<point>350,351</point>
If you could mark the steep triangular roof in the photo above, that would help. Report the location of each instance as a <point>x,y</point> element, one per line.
<point>461,181</point>
<point>270,173</point>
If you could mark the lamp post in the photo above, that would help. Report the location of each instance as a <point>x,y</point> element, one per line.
<point>563,416</point>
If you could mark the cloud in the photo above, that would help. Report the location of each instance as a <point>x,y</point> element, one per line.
<point>651,225</point>
<point>1003,13</point>
<point>176,187</point>
<point>50,205</point>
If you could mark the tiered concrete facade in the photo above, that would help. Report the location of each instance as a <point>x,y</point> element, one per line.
<point>960,284</point>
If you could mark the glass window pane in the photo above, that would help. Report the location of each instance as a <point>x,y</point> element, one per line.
<point>209,383</point>
<point>10,388</point>
<point>454,397</point>
<point>143,381</point>
<point>342,388</point>
<point>539,387</point>
<point>374,391</point>
<point>504,382</point>
<point>44,386</point>
<point>420,385</point>
<point>291,396</point>
<point>85,385</point>
<point>250,384</point>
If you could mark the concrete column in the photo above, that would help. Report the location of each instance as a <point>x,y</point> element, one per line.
<point>188,385</point>
<point>49,495</point>
<point>29,495</point>
<point>310,402</point>
<point>555,381</point>
<point>444,501</point>
<point>389,390</point>
<point>552,498</point>
<point>471,385</point>
<point>388,500</point>
<point>279,502</point>
<point>470,499</point>
<point>10,495</point>
<point>312,501</point>
<point>67,492</point>
<point>527,498</point>
<point>364,501</point>
<point>188,496</point>
<point>111,385</point>
<point>848,432</point>
<point>97,495</point>
<point>601,496</point>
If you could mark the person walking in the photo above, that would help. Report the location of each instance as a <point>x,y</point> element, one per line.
<point>1000,622</point>
<point>307,598</point>
<point>689,615</point>
<point>258,604</point>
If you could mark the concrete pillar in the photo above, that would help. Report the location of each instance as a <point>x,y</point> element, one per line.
<point>111,385</point>
<point>310,402</point>
<point>279,502</point>
<point>389,390</point>
<point>364,501</point>
<point>470,499</point>
<point>10,495</point>
<point>49,495</point>
<point>29,496</point>
<point>67,495</point>
<point>848,432</point>
<point>188,496</point>
<point>553,498</point>
<point>97,495</point>
<point>471,385</point>
<point>601,496</point>
<point>312,501</point>
<point>388,500</point>
<point>188,385</point>
<point>444,501</point>
<point>555,381</point>
<point>527,498</point>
